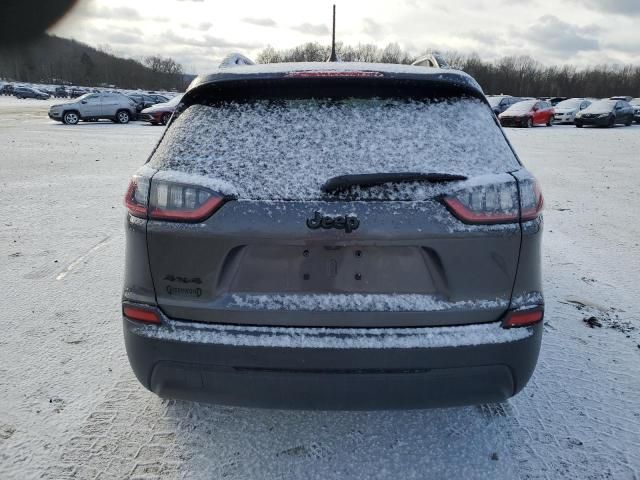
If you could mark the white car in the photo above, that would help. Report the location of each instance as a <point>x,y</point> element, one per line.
<point>565,111</point>
<point>95,106</point>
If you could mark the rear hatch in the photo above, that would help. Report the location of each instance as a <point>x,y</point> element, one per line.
<point>281,250</point>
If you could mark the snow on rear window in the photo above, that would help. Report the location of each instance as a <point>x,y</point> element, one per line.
<point>287,149</point>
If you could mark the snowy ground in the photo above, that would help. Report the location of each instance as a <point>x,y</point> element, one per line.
<point>71,408</point>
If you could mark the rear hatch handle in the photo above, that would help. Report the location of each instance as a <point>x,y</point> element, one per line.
<point>343,182</point>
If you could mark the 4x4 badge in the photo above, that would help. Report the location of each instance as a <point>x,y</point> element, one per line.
<point>348,223</point>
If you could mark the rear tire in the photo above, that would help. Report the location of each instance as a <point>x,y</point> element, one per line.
<point>612,122</point>
<point>628,123</point>
<point>165,118</point>
<point>70,118</point>
<point>123,117</point>
<point>549,124</point>
<point>530,123</point>
<point>578,125</point>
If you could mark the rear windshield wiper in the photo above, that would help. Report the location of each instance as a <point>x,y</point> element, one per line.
<point>343,182</point>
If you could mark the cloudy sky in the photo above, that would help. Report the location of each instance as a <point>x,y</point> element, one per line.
<point>198,33</point>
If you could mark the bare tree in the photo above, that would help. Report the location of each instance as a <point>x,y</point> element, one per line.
<point>51,59</point>
<point>163,65</point>
<point>519,75</point>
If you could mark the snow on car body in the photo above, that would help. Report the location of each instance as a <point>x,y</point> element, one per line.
<point>330,235</point>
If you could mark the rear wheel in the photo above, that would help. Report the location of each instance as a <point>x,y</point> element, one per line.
<point>628,122</point>
<point>612,122</point>
<point>123,116</point>
<point>165,118</point>
<point>579,125</point>
<point>549,124</point>
<point>530,123</point>
<point>70,118</point>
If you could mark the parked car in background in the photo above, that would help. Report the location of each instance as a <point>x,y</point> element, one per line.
<point>48,90</point>
<point>75,92</point>
<point>605,113</point>
<point>265,269</point>
<point>499,103</point>
<point>61,92</point>
<point>94,106</point>
<point>7,89</point>
<point>144,100</point>
<point>527,114</point>
<point>161,112</point>
<point>554,100</point>
<point>30,92</point>
<point>565,111</point>
<point>635,103</point>
<point>625,98</point>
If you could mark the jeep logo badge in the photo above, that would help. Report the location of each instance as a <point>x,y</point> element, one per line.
<point>348,223</point>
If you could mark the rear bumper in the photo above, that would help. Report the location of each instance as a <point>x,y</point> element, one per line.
<point>344,369</point>
<point>563,119</point>
<point>598,122</point>
<point>514,121</point>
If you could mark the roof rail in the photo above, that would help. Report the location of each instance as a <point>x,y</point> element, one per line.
<point>235,59</point>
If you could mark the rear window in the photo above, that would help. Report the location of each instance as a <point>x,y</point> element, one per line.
<point>286,149</point>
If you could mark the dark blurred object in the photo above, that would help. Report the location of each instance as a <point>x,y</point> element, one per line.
<point>23,20</point>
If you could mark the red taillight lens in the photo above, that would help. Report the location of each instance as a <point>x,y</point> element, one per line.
<point>487,204</point>
<point>531,200</point>
<point>137,196</point>
<point>523,318</point>
<point>498,203</point>
<point>141,314</point>
<point>182,203</point>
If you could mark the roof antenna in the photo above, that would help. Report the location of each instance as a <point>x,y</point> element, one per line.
<point>333,57</point>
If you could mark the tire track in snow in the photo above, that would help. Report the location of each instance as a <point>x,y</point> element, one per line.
<point>83,257</point>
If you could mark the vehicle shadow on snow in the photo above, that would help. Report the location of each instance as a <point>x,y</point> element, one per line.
<point>225,442</point>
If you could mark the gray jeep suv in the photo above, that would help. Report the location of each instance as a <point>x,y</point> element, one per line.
<point>95,106</point>
<point>331,236</point>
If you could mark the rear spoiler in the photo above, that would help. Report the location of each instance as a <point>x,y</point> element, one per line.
<point>359,82</point>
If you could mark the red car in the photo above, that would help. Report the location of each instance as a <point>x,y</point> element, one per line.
<point>160,113</point>
<point>527,114</point>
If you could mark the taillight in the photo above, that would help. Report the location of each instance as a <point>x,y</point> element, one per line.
<point>137,196</point>
<point>170,201</point>
<point>182,203</point>
<point>486,204</point>
<point>141,314</point>
<point>523,317</point>
<point>497,203</point>
<point>531,200</point>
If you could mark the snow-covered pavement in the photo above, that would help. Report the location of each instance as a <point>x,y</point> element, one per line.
<point>71,408</point>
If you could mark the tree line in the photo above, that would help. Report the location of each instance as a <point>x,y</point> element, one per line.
<point>54,60</point>
<point>516,75</point>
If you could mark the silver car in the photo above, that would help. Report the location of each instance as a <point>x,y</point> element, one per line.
<point>95,106</point>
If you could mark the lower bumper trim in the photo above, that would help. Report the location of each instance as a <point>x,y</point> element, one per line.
<point>333,391</point>
<point>329,377</point>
